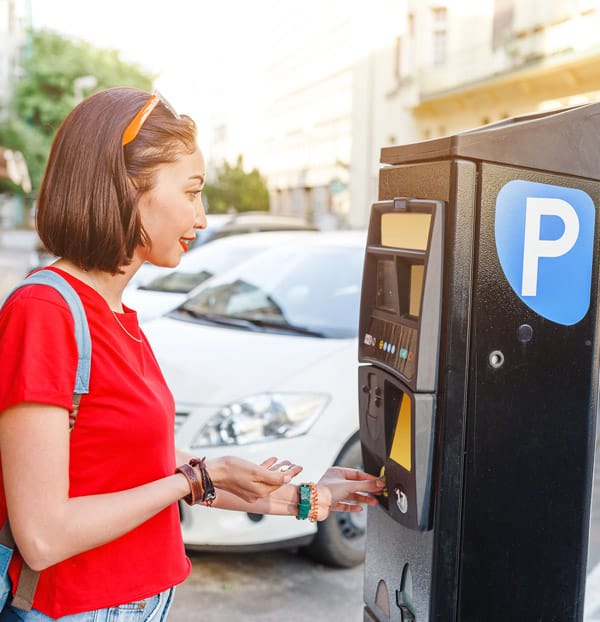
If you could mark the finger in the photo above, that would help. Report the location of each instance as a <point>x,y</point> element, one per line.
<point>281,465</point>
<point>357,475</point>
<point>268,462</point>
<point>278,478</point>
<point>374,486</point>
<point>340,506</point>
<point>357,498</point>
<point>294,470</point>
<point>365,499</point>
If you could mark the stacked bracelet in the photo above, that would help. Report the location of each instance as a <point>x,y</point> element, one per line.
<point>209,488</point>
<point>314,504</point>
<point>201,490</point>
<point>197,492</point>
<point>308,502</point>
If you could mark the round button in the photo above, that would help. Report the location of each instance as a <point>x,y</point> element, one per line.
<point>525,333</point>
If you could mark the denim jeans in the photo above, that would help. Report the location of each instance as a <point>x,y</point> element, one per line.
<point>153,609</point>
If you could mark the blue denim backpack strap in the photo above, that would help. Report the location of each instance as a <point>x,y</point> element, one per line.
<point>82,331</point>
<point>28,578</point>
<point>7,545</point>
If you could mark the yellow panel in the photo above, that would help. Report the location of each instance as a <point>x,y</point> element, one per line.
<point>405,230</point>
<point>417,272</point>
<point>401,452</point>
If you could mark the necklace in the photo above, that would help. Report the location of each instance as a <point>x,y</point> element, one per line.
<point>95,285</point>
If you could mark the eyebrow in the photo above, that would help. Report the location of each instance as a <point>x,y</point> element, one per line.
<point>202,178</point>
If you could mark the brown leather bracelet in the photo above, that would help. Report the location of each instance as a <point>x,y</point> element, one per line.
<point>209,493</point>
<point>197,492</point>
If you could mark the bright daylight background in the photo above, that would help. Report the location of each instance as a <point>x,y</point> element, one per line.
<point>200,51</point>
<point>211,56</point>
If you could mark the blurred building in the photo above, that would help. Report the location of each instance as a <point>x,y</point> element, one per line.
<point>456,65</point>
<point>311,96</point>
<point>345,78</point>
<point>14,20</point>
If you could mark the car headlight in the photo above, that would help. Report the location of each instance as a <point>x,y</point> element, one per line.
<point>261,417</point>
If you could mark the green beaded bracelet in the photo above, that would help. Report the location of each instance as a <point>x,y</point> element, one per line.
<point>304,503</point>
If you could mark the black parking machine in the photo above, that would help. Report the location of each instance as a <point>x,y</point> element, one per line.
<point>478,371</point>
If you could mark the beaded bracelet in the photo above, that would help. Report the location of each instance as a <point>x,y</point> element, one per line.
<point>314,504</point>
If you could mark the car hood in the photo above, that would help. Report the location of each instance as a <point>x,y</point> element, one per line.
<point>208,365</point>
<point>150,304</point>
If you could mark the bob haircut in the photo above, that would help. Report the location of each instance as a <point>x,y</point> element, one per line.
<point>87,204</point>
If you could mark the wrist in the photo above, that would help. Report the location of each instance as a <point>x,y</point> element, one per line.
<point>324,501</point>
<point>308,502</point>
<point>217,467</point>
<point>196,491</point>
<point>183,485</point>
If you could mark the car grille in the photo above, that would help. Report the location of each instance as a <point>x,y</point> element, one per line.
<point>180,418</point>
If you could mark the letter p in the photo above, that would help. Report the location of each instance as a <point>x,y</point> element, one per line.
<point>534,247</point>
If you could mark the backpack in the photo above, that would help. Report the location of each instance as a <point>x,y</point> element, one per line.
<point>28,578</point>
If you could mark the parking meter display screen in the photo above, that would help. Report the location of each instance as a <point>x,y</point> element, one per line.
<point>409,230</point>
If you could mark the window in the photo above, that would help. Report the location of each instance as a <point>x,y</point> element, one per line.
<point>398,59</point>
<point>440,35</point>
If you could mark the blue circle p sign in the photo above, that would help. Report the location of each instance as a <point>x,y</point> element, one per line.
<point>544,238</point>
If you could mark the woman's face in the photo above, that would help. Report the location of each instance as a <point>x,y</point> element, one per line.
<point>172,211</point>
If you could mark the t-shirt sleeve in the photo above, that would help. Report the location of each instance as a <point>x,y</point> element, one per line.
<point>38,350</point>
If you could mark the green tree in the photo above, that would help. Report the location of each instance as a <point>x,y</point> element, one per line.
<point>45,94</point>
<point>236,189</point>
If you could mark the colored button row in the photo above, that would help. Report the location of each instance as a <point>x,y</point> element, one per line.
<point>403,353</point>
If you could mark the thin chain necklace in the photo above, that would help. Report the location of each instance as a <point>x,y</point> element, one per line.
<point>95,285</point>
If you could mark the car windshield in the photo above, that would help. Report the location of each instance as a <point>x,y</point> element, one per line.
<point>311,290</point>
<point>200,265</point>
<point>178,282</point>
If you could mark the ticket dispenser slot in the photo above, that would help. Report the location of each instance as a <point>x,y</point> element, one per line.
<point>397,440</point>
<point>399,334</point>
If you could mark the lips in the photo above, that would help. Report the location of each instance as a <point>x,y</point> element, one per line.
<point>184,243</point>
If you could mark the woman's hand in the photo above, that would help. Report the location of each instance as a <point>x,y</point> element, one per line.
<point>342,490</point>
<point>248,480</point>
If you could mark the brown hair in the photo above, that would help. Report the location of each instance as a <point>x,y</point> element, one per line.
<point>87,204</point>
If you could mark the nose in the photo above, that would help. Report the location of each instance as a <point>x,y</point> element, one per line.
<point>200,221</point>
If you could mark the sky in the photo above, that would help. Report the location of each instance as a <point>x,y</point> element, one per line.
<point>210,56</point>
<point>198,49</point>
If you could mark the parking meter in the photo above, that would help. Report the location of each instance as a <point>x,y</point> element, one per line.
<point>478,372</point>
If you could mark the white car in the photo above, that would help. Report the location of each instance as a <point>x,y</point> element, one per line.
<point>262,361</point>
<point>154,291</point>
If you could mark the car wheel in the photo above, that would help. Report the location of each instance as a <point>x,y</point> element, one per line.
<point>340,539</point>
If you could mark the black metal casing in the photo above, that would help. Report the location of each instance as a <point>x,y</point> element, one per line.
<point>513,444</point>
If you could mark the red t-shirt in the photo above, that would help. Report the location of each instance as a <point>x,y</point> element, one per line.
<point>123,437</point>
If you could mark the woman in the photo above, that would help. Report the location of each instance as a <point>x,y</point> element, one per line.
<point>95,510</point>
